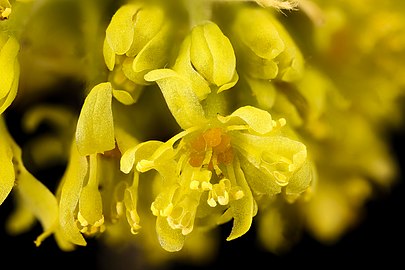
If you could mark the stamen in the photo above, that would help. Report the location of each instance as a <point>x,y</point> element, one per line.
<point>212,148</point>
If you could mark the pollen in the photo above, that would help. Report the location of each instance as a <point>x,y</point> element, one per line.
<point>212,148</point>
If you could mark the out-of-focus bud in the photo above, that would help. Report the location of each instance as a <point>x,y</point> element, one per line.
<point>265,48</point>
<point>212,55</point>
<point>138,40</point>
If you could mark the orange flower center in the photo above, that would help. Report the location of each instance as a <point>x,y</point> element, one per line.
<point>215,142</point>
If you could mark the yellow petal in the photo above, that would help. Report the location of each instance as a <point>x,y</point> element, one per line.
<point>154,54</point>
<point>258,120</point>
<point>243,209</point>
<point>139,152</point>
<point>8,57</point>
<point>72,184</point>
<point>212,54</point>
<point>120,31</point>
<point>124,97</point>
<point>170,239</point>
<point>180,97</point>
<point>109,55</point>
<point>148,23</point>
<point>40,200</point>
<point>7,100</point>
<point>95,128</point>
<point>258,181</point>
<point>300,181</point>
<point>7,175</point>
<point>185,68</point>
<point>264,39</point>
<point>125,140</point>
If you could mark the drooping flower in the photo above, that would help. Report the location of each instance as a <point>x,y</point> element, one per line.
<point>226,161</point>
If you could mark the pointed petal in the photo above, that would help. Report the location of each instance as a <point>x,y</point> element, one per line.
<point>242,209</point>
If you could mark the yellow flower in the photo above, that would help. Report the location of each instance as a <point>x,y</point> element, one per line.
<point>222,160</point>
<point>94,193</point>
<point>195,113</point>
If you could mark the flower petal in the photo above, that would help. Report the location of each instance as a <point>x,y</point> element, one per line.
<point>243,209</point>
<point>184,67</point>
<point>6,101</point>
<point>170,239</point>
<point>120,31</point>
<point>95,128</point>
<point>212,54</point>
<point>7,174</point>
<point>135,154</point>
<point>8,57</point>
<point>109,55</point>
<point>180,97</point>
<point>258,181</point>
<point>300,181</point>
<point>258,120</point>
<point>72,184</point>
<point>154,54</point>
<point>40,200</point>
<point>265,40</point>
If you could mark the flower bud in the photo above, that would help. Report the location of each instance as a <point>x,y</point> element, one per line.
<point>207,59</point>
<point>265,48</point>
<point>139,33</point>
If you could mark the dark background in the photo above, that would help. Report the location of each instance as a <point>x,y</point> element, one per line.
<point>377,240</point>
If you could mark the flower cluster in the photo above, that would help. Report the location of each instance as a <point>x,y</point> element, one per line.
<point>192,114</point>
